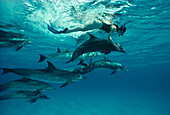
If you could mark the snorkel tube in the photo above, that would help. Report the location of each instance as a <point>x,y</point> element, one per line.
<point>122,29</point>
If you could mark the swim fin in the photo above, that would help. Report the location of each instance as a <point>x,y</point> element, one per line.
<point>55,31</point>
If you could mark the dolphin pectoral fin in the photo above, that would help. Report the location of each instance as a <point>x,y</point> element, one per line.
<point>66,83</point>
<point>113,72</point>
<point>42,58</point>
<point>19,47</point>
<point>32,100</point>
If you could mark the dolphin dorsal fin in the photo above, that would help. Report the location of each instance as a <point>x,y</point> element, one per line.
<point>50,66</point>
<point>92,37</point>
<point>58,51</point>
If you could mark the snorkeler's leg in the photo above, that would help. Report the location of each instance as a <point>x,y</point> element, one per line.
<point>113,43</point>
<point>89,26</point>
<point>50,27</point>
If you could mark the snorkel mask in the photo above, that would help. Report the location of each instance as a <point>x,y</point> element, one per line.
<point>121,30</point>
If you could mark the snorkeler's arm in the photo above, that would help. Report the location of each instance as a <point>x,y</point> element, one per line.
<point>114,44</point>
<point>113,29</point>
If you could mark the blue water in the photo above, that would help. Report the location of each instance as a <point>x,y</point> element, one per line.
<point>143,90</point>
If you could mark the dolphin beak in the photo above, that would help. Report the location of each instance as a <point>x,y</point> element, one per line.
<point>53,88</point>
<point>29,42</point>
<point>123,51</point>
<point>47,97</point>
<point>125,69</point>
<point>84,77</point>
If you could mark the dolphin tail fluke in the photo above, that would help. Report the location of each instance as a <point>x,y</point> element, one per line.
<point>6,70</point>
<point>42,58</point>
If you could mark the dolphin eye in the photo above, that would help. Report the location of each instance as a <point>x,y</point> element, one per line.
<point>78,76</point>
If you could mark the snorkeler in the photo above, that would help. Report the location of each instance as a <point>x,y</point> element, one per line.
<point>97,23</point>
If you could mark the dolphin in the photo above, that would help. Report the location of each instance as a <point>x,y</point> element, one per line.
<point>26,84</point>
<point>104,63</point>
<point>67,55</point>
<point>58,55</point>
<point>10,39</point>
<point>49,74</point>
<point>32,96</point>
<point>95,44</point>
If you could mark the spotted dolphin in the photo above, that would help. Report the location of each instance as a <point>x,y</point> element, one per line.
<point>95,44</point>
<point>104,63</point>
<point>49,74</point>
<point>31,96</point>
<point>26,84</point>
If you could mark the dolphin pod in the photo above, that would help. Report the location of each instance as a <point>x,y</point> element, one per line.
<point>36,80</point>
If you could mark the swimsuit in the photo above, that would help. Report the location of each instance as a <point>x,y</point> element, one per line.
<point>107,28</point>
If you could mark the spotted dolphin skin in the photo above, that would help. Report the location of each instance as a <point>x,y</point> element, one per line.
<point>31,96</point>
<point>104,63</point>
<point>49,74</point>
<point>95,44</point>
<point>58,55</point>
<point>26,84</point>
